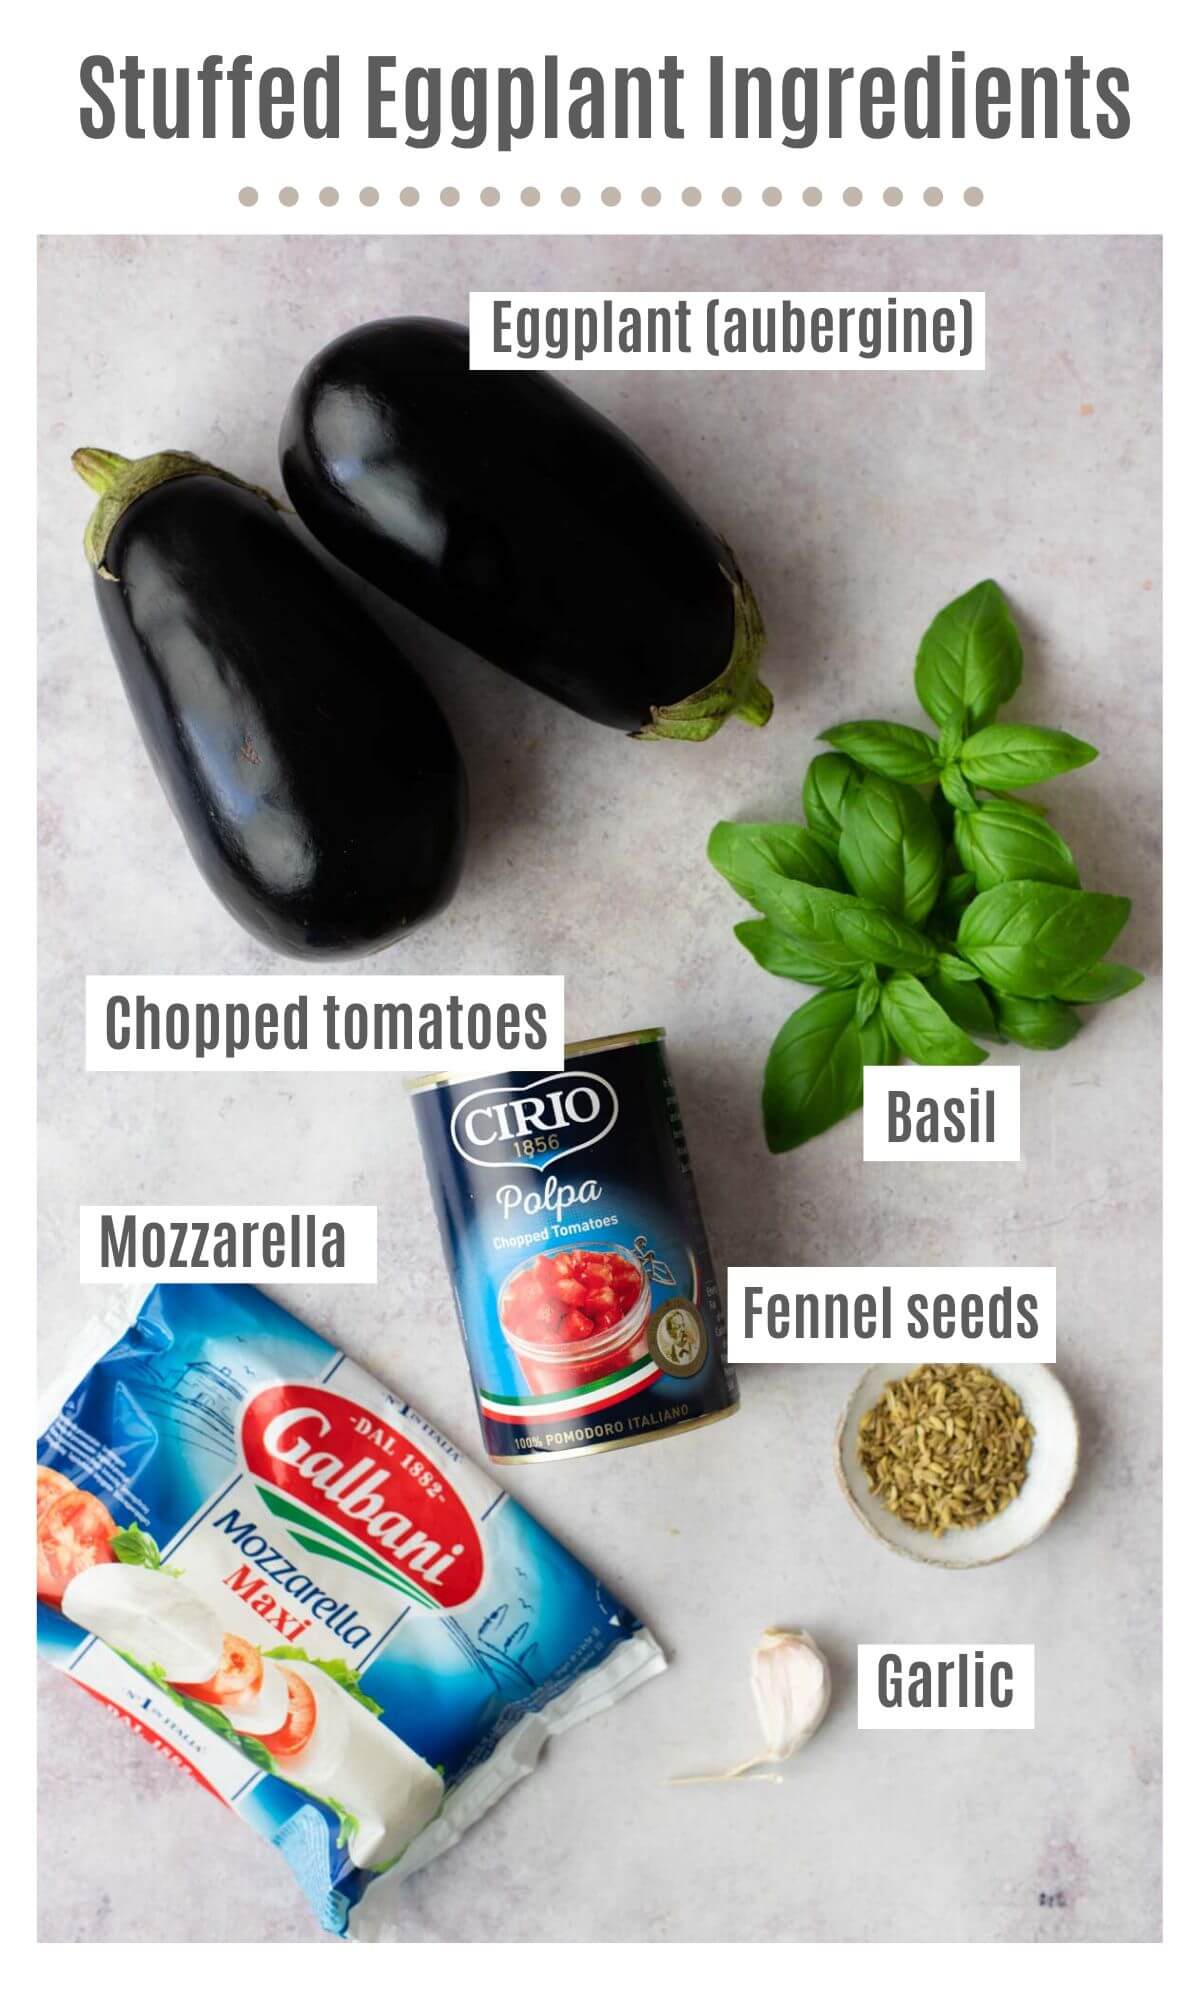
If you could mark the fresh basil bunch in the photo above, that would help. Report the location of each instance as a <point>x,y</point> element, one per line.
<point>929,905</point>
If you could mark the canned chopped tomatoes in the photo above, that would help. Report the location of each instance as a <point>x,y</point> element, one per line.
<point>582,1274</point>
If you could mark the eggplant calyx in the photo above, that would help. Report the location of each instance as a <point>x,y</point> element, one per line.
<point>737,691</point>
<point>120,481</point>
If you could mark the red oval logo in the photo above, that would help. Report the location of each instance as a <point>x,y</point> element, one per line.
<point>351,1488</point>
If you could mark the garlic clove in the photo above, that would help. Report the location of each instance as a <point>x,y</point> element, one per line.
<point>790,1682</point>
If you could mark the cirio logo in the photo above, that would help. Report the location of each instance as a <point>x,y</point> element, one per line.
<point>536,1124</point>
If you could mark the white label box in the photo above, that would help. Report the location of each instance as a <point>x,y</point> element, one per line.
<point>208,1244</point>
<point>939,1686</point>
<point>740,331</point>
<point>861,1313</point>
<point>942,1112</point>
<point>470,1025</point>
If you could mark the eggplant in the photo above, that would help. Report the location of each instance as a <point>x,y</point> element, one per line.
<point>509,514</point>
<point>315,779</point>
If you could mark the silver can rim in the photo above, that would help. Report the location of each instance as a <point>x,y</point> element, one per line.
<point>632,1038</point>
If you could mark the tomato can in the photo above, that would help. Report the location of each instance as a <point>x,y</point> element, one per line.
<point>582,1274</point>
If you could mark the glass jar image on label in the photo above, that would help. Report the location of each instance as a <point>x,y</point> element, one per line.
<point>576,1318</point>
<point>581,1271</point>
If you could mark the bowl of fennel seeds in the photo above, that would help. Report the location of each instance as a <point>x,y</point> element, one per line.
<point>957,1464</point>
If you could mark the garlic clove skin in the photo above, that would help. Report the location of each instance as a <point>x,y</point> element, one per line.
<point>790,1683</point>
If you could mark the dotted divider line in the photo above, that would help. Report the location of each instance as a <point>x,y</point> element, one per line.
<point>610,197</point>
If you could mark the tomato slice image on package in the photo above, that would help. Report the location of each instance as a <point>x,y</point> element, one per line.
<point>294,1587</point>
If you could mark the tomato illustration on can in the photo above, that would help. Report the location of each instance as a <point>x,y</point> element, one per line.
<point>576,1317</point>
<point>584,1282</point>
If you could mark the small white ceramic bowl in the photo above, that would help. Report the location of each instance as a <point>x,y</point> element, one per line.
<point>1048,1480</point>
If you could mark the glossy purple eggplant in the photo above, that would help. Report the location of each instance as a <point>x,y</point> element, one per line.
<point>314,777</point>
<point>508,513</point>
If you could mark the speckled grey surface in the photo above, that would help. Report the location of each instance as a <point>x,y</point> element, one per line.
<point>858,504</point>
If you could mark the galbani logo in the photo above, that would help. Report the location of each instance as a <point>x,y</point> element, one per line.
<point>354,1490</point>
<point>535,1124</point>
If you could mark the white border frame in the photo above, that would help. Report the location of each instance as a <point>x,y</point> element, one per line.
<point>59,183</point>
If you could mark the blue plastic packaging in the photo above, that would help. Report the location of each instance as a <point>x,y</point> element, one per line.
<point>300,1592</point>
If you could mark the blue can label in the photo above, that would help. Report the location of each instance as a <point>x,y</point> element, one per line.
<point>582,1274</point>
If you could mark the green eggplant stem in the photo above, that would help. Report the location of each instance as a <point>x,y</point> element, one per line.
<point>736,691</point>
<point>98,469</point>
<point>120,481</point>
<point>756,705</point>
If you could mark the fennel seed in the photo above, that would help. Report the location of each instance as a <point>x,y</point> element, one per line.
<point>946,1447</point>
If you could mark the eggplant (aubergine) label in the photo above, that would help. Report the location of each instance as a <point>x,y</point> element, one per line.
<point>584,1283</point>
<point>352,1489</point>
<point>728,330</point>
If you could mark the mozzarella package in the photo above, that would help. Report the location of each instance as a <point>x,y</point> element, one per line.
<point>292,1586</point>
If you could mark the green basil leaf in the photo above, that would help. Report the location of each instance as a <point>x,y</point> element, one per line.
<point>956,789</point>
<point>1099,983</point>
<point>826,782</point>
<point>957,892</point>
<point>814,1073</point>
<point>950,740</point>
<point>1002,842</point>
<point>968,1006</point>
<point>885,939</point>
<point>813,918</point>
<point>134,1545</point>
<point>869,990</point>
<point>1012,754</point>
<point>776,952</point>
<point>1011,799</point>
<point>1028,938</point>
<point>951,966</point>
<point>746,853</point>
<point>890,849</point>
<point>922,1028</point>
<point>849,932</point>
<point>969,660</point>
<point>890,748</point>
<point>1036,1024</point>
<point>878,1048</point>
<point>829,841</point>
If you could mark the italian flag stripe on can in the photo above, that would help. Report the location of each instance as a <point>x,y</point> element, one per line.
<point>590,1396</point>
